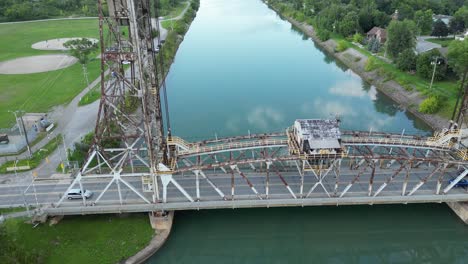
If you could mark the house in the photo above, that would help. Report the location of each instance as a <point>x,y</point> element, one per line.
<point>377,33</point>
<point>446,19</point>
<point>318,136</point>
<point>462,37</point>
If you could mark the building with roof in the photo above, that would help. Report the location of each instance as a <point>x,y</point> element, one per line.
<point>318,136</point>
<point>446,19</point>
<point>377,33</point>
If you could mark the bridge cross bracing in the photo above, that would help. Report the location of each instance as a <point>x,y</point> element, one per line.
<point>134,165</point>
<point>271,170</point>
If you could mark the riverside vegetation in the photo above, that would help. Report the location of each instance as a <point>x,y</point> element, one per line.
<point>346,21</point>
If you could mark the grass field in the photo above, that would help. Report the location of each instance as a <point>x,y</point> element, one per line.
<point>39,92</point>
<point>444,42</point>
<point>84,239</point>
<point>12,210</point>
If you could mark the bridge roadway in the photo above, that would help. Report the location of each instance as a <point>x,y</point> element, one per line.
<point>48,192</point>
<point>260,171</point>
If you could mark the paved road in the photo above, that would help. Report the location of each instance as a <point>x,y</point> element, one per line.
<point>163,31</point>
<point>422,45</point>
<point>48,192</point>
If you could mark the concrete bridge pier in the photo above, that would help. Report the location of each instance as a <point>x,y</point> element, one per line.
<point>162,224</point>
<point>461,209</point>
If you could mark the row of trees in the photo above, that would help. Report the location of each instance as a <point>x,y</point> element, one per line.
<point>347,17</point>
<point>18,10</point>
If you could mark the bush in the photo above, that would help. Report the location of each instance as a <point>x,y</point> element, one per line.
<point>425,69</point>
<point>323,34</point>
<point>371,64</point>
<point>342,46</point>
<point>299,16</point>
<point>406,60</point>
<point>430,105</point>
<point>358,38</point>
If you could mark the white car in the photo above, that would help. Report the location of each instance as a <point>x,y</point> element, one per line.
<point>76,194</point>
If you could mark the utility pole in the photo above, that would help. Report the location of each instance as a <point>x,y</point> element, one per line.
<point>22,129</point>
<point>435,63</point>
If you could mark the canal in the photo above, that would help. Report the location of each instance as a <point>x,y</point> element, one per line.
<point>240,69</point>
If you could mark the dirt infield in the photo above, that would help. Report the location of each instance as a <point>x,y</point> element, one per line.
<point>55,44</point>
<point>35,64</point>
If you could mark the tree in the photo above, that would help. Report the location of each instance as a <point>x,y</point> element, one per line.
<point>425,65</point>
<point>458,60</point>
<point>456,25</point>
<point>400,36</point>
<point>462,14</point>
<point>82,49</point>
<point>439,29</point>
<point>407,60</point>
<point>423,20</point>
<point>349,24</point>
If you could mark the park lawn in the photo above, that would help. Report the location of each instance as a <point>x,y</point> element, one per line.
<point>167,24</point>
<point>444,42</point>
<point>12,210</point>
<point>92,95</point>
<point>16,39</point>
<point>39,92</point>
<point>84,239</point>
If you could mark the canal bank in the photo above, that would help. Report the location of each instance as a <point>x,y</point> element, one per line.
<point>162,225</point>
<point>356,61</point>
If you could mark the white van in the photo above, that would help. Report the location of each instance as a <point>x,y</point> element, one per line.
<point>76,194</point>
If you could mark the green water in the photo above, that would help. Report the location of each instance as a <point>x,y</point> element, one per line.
<point>242,68</point>
<point>348,234</point>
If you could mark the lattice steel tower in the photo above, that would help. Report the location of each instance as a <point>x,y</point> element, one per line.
<point>129,138</point>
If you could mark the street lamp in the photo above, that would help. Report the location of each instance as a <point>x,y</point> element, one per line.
<point>435,63</point>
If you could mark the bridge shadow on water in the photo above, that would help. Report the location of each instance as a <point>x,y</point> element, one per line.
<point>424,233</point>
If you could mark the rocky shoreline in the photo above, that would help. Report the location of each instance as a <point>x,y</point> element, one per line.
<point>356,61</point>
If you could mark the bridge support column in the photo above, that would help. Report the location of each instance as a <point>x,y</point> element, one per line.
<point>461,209</point>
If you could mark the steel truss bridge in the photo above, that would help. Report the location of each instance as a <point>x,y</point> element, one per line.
<point>269,170</point>
<point>135,164</point>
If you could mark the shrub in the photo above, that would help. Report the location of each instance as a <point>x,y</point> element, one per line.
<point>406,60</point>
<point>323,34</point>
<point>342,46</point>
<point>358,38</point>
<point>425,69</point>
<point>430,105</point>
<point>371,64</point>
<point>299,16</point>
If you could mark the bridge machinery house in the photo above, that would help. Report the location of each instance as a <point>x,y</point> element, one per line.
<point>316,140</point>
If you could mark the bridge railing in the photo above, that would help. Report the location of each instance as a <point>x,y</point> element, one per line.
<point>233,146</point>
<point>395,141</point>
